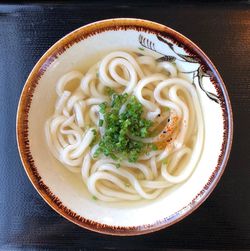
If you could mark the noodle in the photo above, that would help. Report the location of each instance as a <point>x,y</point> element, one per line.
<point>168,101</point>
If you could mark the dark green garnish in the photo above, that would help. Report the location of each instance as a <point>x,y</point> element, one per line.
<point>103,107</point>
<point>94,131</point>
<point>109,91</point>
<point>94,197</point>
<point>97,152</point>
<point>166,109</point>
<point>164,161</point>
<point>116,142</point>
<point>154,147</point>
<point>101,122</point>
<point>94,141</point>
<point>140,48</point>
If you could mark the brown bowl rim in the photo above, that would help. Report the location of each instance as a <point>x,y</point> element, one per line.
<point>26,99</point>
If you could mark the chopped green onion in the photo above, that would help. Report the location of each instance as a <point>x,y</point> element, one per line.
<point>101,122</point>
<point>109,91</point>
<point>102,107</point>
<point>116,142</point>
<point>96,153</point>
<point>94,132</point>
<point>94,197</point>
<point>165,162</point>
<point>154,147</point>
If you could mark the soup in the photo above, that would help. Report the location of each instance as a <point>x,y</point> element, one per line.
<point>130,126</point>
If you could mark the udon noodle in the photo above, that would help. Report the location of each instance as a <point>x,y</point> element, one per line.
<point>168,100</point>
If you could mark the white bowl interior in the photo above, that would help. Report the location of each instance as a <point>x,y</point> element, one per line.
<point>68,187</point>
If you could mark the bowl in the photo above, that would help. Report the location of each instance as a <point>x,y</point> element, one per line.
<point>63,190</point>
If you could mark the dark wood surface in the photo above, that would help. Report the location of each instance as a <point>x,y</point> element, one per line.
<point>222,30</point>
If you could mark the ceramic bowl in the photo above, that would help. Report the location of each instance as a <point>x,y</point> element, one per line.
<point>64,191</point>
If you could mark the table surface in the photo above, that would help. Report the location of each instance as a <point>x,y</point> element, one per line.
<point>222,30</point>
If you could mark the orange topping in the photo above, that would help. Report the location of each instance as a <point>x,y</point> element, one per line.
<point>165,138</point>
